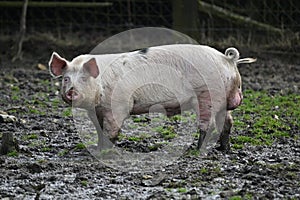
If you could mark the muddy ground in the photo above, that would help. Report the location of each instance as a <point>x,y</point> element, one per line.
<point>52,163</point>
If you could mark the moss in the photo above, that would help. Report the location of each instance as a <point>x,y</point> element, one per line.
<point>193,152</point>
<point>263,118</point>
<point>235,198</point>
<point>46,149</point>
<point>140,119</point>
<point>63,152</point>
<point>30,137</point>
<point>80,146</point>
<point>203,170</point>
<point>167,132</point>
<point>84,183</point>
<point>182,190</point>
<point>13,153</point>
<point>67,112</point>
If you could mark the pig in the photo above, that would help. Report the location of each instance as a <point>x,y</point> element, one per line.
<point>177,77</point>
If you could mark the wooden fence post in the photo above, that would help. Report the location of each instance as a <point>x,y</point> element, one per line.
<point>185,17</point>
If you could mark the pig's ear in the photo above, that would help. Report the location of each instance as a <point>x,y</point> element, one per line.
<point>91,67</point>
<point>57,65</point>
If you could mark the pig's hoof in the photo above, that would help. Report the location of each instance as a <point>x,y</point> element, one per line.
<point>225,149</point>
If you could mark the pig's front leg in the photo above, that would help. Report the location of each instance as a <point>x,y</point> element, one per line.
<point>110,126</point>
<point>225,132</point>
<point>98,120</point>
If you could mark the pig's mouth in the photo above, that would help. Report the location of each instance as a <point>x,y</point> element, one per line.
<point>71,95</point>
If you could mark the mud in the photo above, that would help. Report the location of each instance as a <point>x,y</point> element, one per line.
<point>51,164</point>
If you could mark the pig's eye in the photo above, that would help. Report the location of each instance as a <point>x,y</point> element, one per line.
<point>66,79</point>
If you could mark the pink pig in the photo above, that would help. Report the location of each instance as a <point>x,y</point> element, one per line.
<point>177,77</point>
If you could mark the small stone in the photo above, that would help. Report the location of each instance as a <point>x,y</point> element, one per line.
<point>34,168</point>
<point>41,67</point>
<point>7,118</point>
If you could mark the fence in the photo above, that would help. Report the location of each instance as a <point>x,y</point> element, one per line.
<point>201,18</point>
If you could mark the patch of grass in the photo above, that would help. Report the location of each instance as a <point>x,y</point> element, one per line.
<point>196,135</point>
<point>248,196</point>
<point>203,170</point>
<point>237,146</point>
<point>67,112</point>
<point>235,198</point>
<point>182,190</point>
<point>80,146</point>
<point>56,102</point>
<point>15,89</point>
<point>265,118</point>
<point>84,183</point>
<point>193,152</point>
<point>63,152</point>
<point>13,153</point>
<point>167,132</point>
<point>156,119</point>
<point>179,118</point>
<point>132,126</point>
<point>134,138</point>
<point>46,149</point>
<point>140,119</point>
<point>32,136</point>
<point>15,97</point>
<point>176,118</point>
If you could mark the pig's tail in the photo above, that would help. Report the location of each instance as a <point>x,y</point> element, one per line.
<point>232,53</point>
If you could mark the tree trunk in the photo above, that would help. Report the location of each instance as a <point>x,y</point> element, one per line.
<point>185,17</point>
<point>22,32</point>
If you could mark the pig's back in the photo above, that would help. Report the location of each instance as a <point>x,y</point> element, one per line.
<point>164,74</point>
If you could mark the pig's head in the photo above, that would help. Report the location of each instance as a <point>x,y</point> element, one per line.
<point>79,85</point>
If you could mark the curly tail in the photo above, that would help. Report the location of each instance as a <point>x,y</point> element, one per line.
<point>233,54</point>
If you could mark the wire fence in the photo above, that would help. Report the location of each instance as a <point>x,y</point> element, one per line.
<point>214,18</point>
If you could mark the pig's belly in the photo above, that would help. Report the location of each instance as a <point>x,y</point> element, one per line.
<point>169,108</point>
<point>156,98</point>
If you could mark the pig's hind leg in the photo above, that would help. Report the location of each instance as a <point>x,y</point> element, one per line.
<point>204,118</point>
<point>225,121</point>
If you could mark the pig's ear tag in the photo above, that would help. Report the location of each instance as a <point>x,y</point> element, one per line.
<point>57,65</point>
<point>91,67</point>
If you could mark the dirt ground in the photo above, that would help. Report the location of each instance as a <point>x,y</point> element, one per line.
<point>51,163</point>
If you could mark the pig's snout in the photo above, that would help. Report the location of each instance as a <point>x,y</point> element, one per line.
<point>72,94</point>
<point>235,100</point>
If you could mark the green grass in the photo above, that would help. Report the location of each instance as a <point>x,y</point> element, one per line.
<point>203,170</point>
<point>80,146</point>
<point>140,119</point>
<point>193,152</point>
<point>13,153</point>
<point>167,132</point>
<point>235,198</point>
<point>84,183</point>
<point>263,118</point>
<point>182,190</point>
<point>32,136</point>
<point>46,149</point>
<point>63,152</point>
<point>67,112</point>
